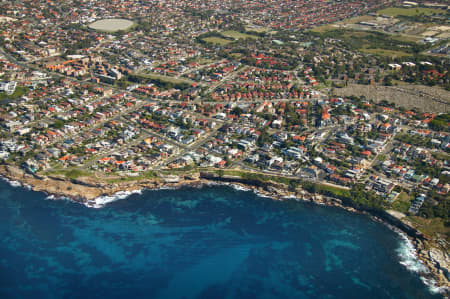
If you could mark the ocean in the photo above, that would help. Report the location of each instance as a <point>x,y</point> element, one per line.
<point>210,242</point>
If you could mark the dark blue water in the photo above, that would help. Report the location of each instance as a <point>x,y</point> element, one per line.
<point>213,242</point>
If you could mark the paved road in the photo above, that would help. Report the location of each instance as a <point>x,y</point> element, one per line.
<point>145,133</point>
<point>186,150</point>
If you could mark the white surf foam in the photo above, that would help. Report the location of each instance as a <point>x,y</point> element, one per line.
<point>51,197</point>
<point>431,284</point>
<point>101,201</point>
<point>16,184</point>
<point>167,188</point>
<point>55,197</point>
<point>239,188</point>
<point>263,195</point>
<point>232,185</point>
<point>408,256</point>
<point>13,183</point>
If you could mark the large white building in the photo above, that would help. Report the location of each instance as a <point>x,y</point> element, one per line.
<point>8,87</point>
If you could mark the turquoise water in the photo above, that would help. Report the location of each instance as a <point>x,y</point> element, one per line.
<point>213,242</point>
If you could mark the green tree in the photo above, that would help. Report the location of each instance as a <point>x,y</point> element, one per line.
<point>58,124</point>
<point>237,111</point>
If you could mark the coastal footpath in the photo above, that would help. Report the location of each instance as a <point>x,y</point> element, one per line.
<point>88,190</point>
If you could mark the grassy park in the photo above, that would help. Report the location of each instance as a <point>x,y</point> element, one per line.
<point>168,79</point>
<point>385,52</point>
<point>237,35</point>
<point>217,40</point>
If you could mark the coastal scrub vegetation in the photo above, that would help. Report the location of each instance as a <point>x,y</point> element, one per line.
<point>437,206</point>
<point>374,42</point>
<point>441,122</point>
<point>357,196</point>
<point>402,203</point>
<point>431,226</point>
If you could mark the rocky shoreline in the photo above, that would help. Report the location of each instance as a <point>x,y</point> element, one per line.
<point>87,190</point>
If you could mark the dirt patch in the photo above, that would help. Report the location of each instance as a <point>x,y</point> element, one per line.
<point>111,25</point>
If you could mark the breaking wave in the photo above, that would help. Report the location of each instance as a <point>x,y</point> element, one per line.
<point>431,284</point>
<point>408,256</point>
<point>12,183</point>
<point>166,188</point>
<point>239,188</point>
<point>102,201</point>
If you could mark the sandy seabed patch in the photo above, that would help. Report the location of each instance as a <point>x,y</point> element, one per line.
<point>111,25</point>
